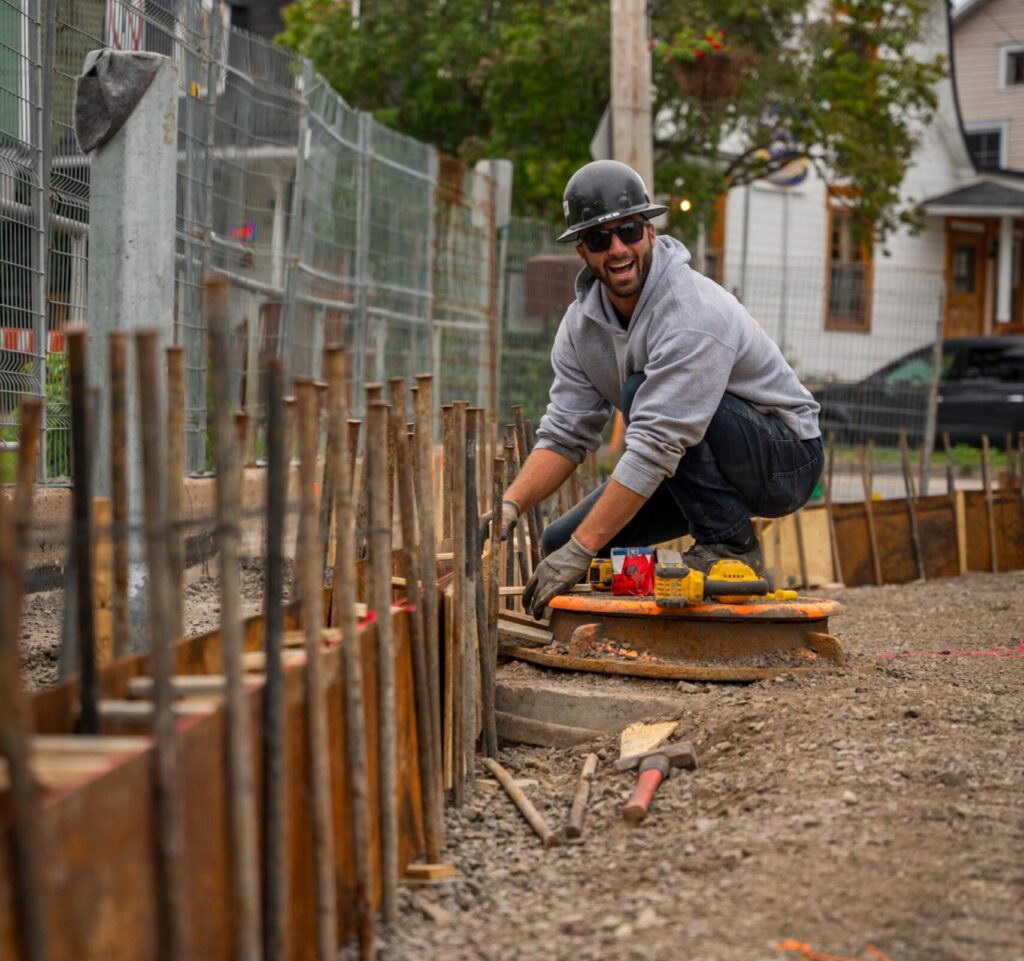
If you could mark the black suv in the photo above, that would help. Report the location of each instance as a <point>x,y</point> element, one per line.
<point>980,391</point>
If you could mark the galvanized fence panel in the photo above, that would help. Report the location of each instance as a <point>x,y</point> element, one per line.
<point>328,226</point>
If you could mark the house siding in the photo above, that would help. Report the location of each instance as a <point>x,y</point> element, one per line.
<point>977,39</point>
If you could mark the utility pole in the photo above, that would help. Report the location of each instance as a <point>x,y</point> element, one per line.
<point>631,88</point>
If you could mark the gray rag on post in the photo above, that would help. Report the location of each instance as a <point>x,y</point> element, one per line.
<point>111,85</point>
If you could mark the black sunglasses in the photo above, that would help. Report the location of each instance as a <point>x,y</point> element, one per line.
<point>630,232</point>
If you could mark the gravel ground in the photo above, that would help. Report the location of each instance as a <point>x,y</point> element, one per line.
<point>880,805</point>
<point>43,618</point>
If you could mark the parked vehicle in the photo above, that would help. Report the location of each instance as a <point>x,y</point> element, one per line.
<point>980,391</point>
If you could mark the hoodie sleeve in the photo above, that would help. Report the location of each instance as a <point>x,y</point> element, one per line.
<point>687,373</point>
<point>576,413</point>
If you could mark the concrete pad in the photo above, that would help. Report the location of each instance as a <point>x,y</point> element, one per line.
<point>586,709</point>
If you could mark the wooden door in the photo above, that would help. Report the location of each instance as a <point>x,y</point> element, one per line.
<point>965,276</point>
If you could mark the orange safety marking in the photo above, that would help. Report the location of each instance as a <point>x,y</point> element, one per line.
<point>809,954</point>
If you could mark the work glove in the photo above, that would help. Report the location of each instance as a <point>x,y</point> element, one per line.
<point>556,574</point>
<point>510,515</point>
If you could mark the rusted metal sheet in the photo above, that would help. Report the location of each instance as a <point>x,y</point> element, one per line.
<point>98,829</point>
<point>1009,528</point>
<point>706,642</point>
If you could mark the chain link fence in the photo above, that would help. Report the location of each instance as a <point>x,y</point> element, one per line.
<point>329,226</point>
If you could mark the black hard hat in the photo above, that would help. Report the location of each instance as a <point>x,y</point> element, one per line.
<point>601,191</point>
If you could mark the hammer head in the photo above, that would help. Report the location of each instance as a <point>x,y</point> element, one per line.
<point>680,754</point>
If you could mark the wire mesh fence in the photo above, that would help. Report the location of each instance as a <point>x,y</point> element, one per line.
<point>329,226</point>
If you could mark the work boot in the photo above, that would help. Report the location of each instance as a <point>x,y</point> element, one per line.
<point>702,557</point>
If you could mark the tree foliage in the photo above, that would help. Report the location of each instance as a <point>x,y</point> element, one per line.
<point>529,81</point>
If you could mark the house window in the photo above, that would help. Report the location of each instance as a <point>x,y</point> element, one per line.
<point>985,145</point>
<point>1014,67</point>
<point>849,271</point>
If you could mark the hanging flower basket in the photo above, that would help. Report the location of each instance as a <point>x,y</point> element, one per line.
<point>711,79</point>
<point>704,63</point>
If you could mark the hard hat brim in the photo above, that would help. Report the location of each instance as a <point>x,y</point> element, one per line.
<point>648,210</point>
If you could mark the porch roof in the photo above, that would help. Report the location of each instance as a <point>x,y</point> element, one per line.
<point>984,198</point>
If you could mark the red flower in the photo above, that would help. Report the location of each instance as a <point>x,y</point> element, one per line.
<point>717,46</point>
<point>699,54</point>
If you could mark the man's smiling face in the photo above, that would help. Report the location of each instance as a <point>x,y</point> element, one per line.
<point>623,267</point>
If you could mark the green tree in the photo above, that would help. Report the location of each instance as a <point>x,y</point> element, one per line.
<point>475,78</point>
<point>529,81</point>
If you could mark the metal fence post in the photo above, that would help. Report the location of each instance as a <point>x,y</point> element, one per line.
<point>293,249</point>
<point>41,99</point>
<point>933,397</point>
<point>362,271</point>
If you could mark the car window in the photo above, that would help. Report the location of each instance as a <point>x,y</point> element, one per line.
<point>997,362</point>
<point>916,369</point>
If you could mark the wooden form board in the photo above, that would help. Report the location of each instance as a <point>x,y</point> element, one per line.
<point>1008,515</point>
<point>99,829</point>
<point>817,545</point>
<point>937,527</point>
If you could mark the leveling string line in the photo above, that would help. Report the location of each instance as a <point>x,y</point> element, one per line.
<point>1005,653</point>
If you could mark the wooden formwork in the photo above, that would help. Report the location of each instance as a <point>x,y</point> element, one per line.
<point>97,823</point>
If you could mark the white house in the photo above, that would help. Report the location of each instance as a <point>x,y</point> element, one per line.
<point>840,310</point>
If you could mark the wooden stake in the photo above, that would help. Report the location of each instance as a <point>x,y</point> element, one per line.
<point>515,535</point>
<point>423,415</point>
<point>380,602</point>
<point>169,816</point>
<point>986,477</point>
<point>433,814</point>
<point>316,690</point>
<point>374,394</point>
<point>489,645</point>
<point>532,519</point>
<point>325,520</point>
<point>118,351</point>
<point>950,474</point>
<point>801,548</point>
<point>908,484</point>
<point>81,538</point>
<point>837,561</point>
<point>454,663</point>
<point>241,806</point>
<point>102,510</point>
<point>876,561</point>
<point>176,487</point>
<point>471,559</point>
<point>521,801</point>
<point>343,608</point>
<point>275,842</point>
<point>446,480</point>
<point>574,826</point>
<point>28,856</point>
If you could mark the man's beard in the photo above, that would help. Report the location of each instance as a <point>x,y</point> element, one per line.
<point>633,286</point>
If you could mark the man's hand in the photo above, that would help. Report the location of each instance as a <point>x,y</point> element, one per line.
<point>510,514</point>
<point>556,574</point>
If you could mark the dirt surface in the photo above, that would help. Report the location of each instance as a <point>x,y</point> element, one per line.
<point>882,804</point>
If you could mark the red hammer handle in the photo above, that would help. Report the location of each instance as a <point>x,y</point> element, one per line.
<point>643,793</point>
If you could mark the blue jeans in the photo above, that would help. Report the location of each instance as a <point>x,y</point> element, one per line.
<point>747,464</point>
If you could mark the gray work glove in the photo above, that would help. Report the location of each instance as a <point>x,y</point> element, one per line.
<point>510,515</point>
<point>556,574</point>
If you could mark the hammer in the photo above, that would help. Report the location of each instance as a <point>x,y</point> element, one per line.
<point>653,767</point>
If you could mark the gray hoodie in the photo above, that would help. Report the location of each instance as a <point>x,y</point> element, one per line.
<point>693,340</point>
